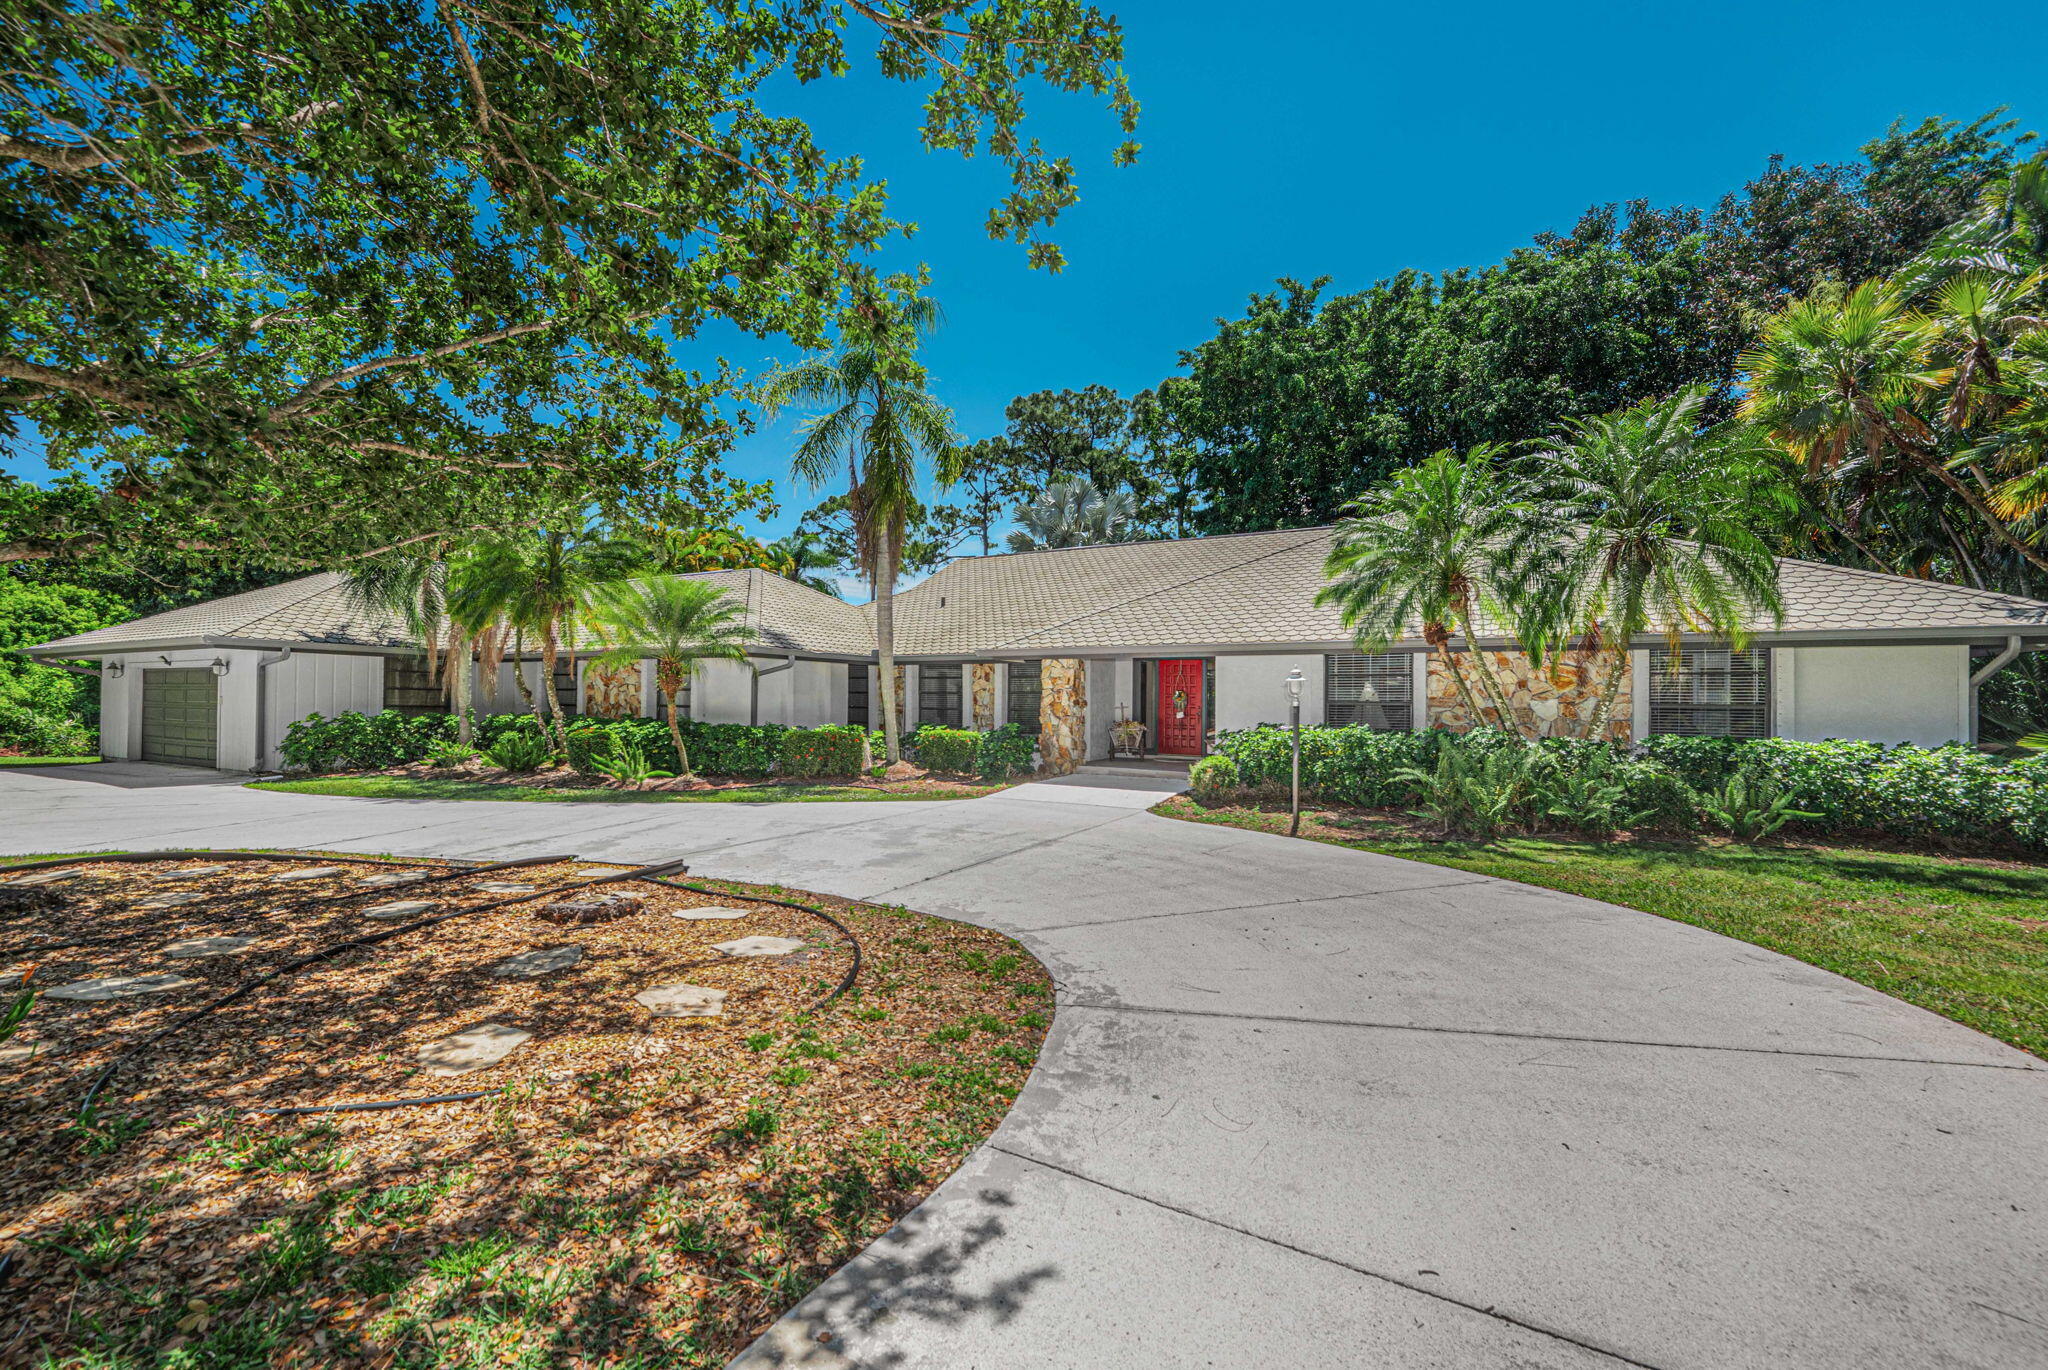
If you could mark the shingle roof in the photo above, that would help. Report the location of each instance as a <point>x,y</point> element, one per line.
<point>1252,588</point>
<point>308,610</point>
<point>1243,589</point>
<point>319,609</point>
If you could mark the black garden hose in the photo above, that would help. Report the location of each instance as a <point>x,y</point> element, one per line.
<point>845,981</point>
<point>335,949</point>
<point>460,873</point>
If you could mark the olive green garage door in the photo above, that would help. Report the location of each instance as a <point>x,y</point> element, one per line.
<point>179,709</point>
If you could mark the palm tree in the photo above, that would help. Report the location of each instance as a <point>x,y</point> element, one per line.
<point>1434,545</point>
<point>877,423</point>
<point>1071,512</point>
<point>675,620</point>
<point>1658,526</point>
<point>800,556</point>
<point>1836,376</point>
<point>415,590</point>
<point>534,584</point>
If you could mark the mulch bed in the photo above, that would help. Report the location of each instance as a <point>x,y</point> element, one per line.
<point>562,778</point>
<point>651,1187</point>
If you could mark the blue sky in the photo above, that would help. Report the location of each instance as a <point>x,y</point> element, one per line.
<point>1351,140</point>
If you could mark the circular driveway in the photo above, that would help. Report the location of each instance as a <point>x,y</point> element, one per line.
<point>1302,1106</point>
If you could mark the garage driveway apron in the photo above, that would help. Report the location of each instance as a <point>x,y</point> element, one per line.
<point>1303,1106</point>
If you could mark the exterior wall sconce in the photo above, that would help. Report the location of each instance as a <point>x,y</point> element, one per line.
<point>220,665</point>
<point>117,669</point>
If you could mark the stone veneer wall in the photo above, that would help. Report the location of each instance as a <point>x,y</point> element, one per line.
<point>1550,700</point>
<point>1062,714</point>
<point>981,687</point>
<point>901,702</point>
<point>612,691</point>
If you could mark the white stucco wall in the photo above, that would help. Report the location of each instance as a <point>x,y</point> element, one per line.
<point>1251,690</point>
<point>326,683</point>
<point>503,697</point>
<point>305,683</point>
<point>721,692</point>
<point>1886,694</point>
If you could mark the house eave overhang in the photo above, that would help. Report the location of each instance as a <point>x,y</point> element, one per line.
<point>227,642</point>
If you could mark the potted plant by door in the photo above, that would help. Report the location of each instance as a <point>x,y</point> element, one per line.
<point>1127,735</point>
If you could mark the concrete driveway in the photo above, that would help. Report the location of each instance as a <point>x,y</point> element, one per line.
<point>1307,1107</point>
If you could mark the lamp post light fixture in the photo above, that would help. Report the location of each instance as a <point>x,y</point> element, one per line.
<point>1294,684</point>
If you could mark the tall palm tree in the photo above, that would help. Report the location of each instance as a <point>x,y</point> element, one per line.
<point>415,590</point>
<point>532,585</point>
<point>1441,541</point>
<point>677,621</point>
<point>877,423</point>
<point>1071,512</point>
<point>1836,376</point>
<point>1659,530</point>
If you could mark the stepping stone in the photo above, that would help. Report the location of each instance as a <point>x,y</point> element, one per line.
<point>505,887</point>
<point>209,946</point>
<point>388,878</point>
<point>606,870</point>
<point>191,872</point>
<point>45,878</point>
<point>309,873</point>
<point>683,1001</point>
<point>118,987</point>
<point>16,1050</point>
<point>170,901</point>
<point>472,1050</point>
<point>759,946</point>
<point>397,909</point>
<point>714,913</point>
<point>529,964</point>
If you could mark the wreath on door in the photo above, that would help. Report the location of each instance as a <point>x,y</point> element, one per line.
<point>1180,703</point>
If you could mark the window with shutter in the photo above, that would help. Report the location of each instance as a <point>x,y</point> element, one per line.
<point>938,695</point>
<point>1711,692</point>
<point>857,694</point>
<point>1375,690</point>
<point>1023,691</point>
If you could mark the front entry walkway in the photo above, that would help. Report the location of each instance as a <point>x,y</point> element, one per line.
<point>1303,1106</point>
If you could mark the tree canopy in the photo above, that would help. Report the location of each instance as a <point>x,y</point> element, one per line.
<point>312,281</point>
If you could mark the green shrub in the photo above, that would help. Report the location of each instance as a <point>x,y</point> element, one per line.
<point>447,752</point>
<point>835,750</point>
<point>352,741</point>
<point>1006,752</point>
<point>733,748</point>
<point>1213,779</point>
<point>1657,799</point>
<point>1703,763</point>
<point>1751,806</point>
<point>33,733</point>
<point>1477,792</point>
<point>518,751</point>
<point>954,751</point>
<point>625,764</point>
<point>1579,788</point>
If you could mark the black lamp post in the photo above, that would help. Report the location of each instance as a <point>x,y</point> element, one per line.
<point>1294,684</point>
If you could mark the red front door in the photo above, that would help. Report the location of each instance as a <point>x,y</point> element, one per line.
<point>1180,708</point>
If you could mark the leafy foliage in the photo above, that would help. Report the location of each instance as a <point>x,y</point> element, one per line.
<point>352,741</point>
<point>1213,779</point>
<point>835,750</point>
<point>521,751</point>
<point>1006,752</point>
<point>954,751</point>
<point>419,270</point>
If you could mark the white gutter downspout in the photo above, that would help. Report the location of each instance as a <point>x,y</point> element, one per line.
<point>754,701</point>
<point>1984,673</point>
<point>263,666</point>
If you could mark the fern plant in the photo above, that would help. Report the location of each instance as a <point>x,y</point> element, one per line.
<point>1751,806</point>
<point>519,751</point>
<point>1472,796</point>
<point>622,763</point>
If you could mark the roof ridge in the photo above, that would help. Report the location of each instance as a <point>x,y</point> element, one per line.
<point>1164,589</point>
<point>1868,574</point>
<point>1132,542</point>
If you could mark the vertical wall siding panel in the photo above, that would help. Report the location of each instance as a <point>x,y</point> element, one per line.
<point>325,683</point>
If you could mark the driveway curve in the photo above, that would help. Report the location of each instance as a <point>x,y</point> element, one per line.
<point>1303,1106</point>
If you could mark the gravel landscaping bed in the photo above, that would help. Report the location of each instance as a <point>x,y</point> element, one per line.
<point>685,1125</point>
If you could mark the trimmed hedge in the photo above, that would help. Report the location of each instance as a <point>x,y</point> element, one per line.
<point>352,741</point>
<point>837,749</point>
<point>956,751</point>
<point>715,748</point>
<point>1948,793</point>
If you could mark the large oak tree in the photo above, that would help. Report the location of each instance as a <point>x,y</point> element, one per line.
<point>310,280</point>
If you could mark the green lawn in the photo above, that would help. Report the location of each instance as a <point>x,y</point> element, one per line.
<point>1965,938</point>
<point>403,787</point>
<point>47,760</point>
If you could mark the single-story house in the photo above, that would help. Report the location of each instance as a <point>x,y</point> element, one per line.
<point>1186,637</point>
